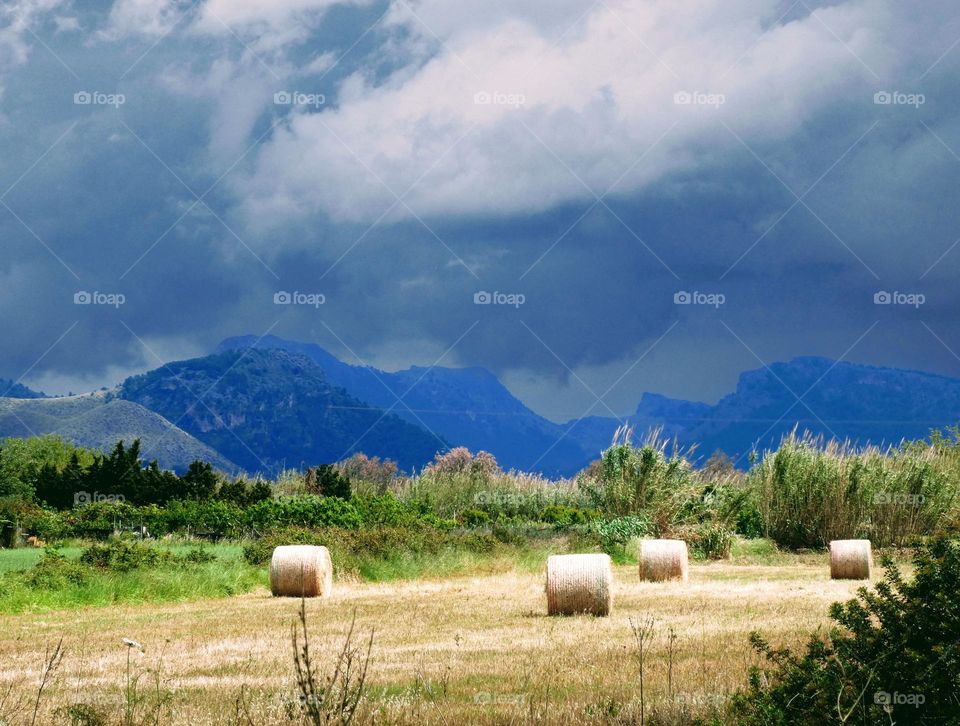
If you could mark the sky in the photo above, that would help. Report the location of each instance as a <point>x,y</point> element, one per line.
<point>590,199</point>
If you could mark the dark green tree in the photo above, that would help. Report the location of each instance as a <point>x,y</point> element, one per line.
<point>327,481</point>
<point>199,482</point>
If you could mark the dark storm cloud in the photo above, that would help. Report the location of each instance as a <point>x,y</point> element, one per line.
<point>299,197</point>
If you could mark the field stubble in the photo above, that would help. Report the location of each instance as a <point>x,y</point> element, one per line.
<point>465,649</point>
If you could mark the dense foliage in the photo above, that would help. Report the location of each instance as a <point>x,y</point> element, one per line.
<point>894,656</point>
<point>801,495</point>
<point>810,494</point>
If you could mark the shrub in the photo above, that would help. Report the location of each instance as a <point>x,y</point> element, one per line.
<point>307,511</point>
<point>474,517</point>
<point>892,658</point>
<point>198,556</point>
<point>98,520</point>
<point>351,548</point>
<point>213,518</point>
<point>459,460</point>
<point>709,541</point>
<point>54,572</point>
<point>370,470</point>
<point>384,511</point>
<point>564,516</point>
<point>243,494</point>
<point>641,480</point>
<point>121,555</point>
<point>614,534</point>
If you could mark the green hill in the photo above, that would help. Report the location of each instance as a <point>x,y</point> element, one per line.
<point>99,420</point>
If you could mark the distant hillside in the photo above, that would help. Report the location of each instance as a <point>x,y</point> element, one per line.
<point>466,406</point>
<point>98,421</point>
<point>9,389</point>
<point>270,409</point>
<point>865,404</point>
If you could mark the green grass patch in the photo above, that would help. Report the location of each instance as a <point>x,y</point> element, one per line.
<point>26,557</point>
<point>32,581</point>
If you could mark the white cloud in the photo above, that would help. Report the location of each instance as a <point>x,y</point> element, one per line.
<point>143,17</point>
<point>264,25</point>
<point>273,14</point>
<point>596,99</point>
<point>19,19</point>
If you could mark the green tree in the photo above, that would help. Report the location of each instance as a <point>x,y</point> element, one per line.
<point>199,482</point>
<point>327,481</point>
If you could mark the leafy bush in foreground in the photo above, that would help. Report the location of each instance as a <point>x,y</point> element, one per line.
<point>895,657</point>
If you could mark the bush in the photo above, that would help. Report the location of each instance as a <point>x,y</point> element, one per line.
<point>644,480</point>
<point>474,517</point>
<point>564,516</point>
<point>369,470</point>
<point>213,518</point>
<point>54,572</point>
<point>709,541</point>
<point>459,460</point>
<point>614,534</point>
<point>119,555</point>
<point>893,658</point>
<point>243,494</point>
<point>198,556</point>
<point>384,511</point>
<point>98,520</point>
<point>307,511</point>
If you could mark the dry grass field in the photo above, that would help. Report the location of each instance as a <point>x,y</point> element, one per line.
<point>472,649</point>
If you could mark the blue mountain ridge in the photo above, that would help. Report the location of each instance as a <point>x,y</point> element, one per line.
<point>470,407</point>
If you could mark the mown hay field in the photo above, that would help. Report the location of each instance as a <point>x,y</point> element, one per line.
<point>464,649</point>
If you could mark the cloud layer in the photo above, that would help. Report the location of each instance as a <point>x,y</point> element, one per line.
<point>401,157</point>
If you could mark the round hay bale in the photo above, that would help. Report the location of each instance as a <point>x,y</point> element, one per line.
<point>301,571</point>
<point>663,559</point>
<point>579,584</point>
<point>850,559</point>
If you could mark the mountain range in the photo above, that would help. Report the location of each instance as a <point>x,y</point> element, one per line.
<point>265,404</point>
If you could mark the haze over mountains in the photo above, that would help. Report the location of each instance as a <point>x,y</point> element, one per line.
<point>261,405</point>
